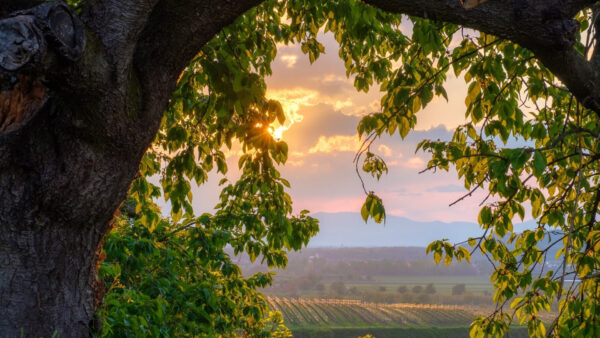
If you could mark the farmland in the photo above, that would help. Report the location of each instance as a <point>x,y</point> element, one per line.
<point>350,318</point>
<point>348,313</point>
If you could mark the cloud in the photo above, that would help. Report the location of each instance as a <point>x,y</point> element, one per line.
<point>293,163</point>
<point>291,101</point>
<point>375,105</point>
<point>340,204</point>
<point>385,150</point>
<point>336,143</point>
<point>446,188</point>
<point>289,60</point>
<point>396,212</point>
<point>339,104</point>
<point>334,78</point>
<point>414,162</point>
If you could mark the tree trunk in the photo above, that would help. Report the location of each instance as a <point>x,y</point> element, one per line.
<point>57,197</point>
<point>81,99</point>
<point>47,278</point>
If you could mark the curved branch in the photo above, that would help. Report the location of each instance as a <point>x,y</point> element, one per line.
<point>10,6</point>
<point>118,24</point>
<point>540,24</point>
<point>545,27</point>
<point>175,33</point>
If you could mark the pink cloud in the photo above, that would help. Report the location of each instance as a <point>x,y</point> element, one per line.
<point>344,204</point>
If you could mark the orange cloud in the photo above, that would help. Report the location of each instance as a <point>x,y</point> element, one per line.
<point>415,162</point>
<point>291,100</point>
<point>385,150</point>
<point>348,204</point>
<point>334,78</point>
<point>336,143</point>
<point>289,60</point>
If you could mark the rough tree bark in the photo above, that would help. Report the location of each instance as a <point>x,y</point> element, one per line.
<point>81,98</point>
<point>78,108</point>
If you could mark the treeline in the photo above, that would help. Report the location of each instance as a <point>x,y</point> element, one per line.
<point>365,269</point>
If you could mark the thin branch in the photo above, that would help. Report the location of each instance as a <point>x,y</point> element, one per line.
<point>470,193</point>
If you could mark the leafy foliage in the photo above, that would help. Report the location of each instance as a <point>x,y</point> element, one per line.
<point>177,282</point>
<point>171,276</point>
<point>551,175</point>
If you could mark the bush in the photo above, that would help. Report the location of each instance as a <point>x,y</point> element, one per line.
<point>354,291</point>
<point>459,289</point>
<point>430,289</point>
<point>424,298</point>
<point>402,289</point>
<point>338,288</point>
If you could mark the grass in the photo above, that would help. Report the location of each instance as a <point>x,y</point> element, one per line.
<point>303,313</point>
<point>407,332</point>
<point>443,285</point>
<point>325,318</point>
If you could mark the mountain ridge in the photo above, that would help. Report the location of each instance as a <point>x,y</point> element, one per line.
<point>347,229</point>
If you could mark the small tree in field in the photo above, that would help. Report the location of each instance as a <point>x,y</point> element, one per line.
<point>459,289</point>
<point>338,287</point>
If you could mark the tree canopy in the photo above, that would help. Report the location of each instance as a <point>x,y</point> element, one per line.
<point>511,95</point>
<point>531,72</point>
<point>551,178</point>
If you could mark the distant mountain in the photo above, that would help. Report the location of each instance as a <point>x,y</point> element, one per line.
<point>349,230</point>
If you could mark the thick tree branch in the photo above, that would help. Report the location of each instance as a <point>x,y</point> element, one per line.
<point>175,33</point>
<point>595,59</point>
<point>578,74</point>
<point>118,24</point>
<point>546,27</point>
<point>543,24</point>
<point>9,6</point>
<point>574,6</point>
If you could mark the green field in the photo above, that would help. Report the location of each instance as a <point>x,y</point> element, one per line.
<point>352,318</point>
<point>396,332</point>
<point>352,313</point>
<point>443,285</point>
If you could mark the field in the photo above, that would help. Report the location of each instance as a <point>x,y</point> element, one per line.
<point>351,318</point>
<point>443,285</point>
<point>353,313</point>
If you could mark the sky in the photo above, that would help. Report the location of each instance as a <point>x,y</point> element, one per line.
<point>323,110</point>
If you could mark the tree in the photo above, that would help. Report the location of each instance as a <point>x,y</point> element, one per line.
<point>402,289</point>
<point>417,289</point>
<point>429,289</point>
<point>86,90</point>
<point>338,288</point>
<point>178,283</point>
<point>459,289</point>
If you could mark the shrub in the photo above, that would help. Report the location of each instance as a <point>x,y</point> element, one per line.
<point>430,289</point>
<point>459,289</point>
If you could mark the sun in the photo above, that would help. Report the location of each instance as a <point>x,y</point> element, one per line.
<point>277,132</point>
<point>291,100</point>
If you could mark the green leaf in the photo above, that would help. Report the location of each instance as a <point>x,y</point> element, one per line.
<point>539,163</point>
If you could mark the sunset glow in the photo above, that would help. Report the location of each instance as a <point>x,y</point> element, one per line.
<point>322,110</point>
